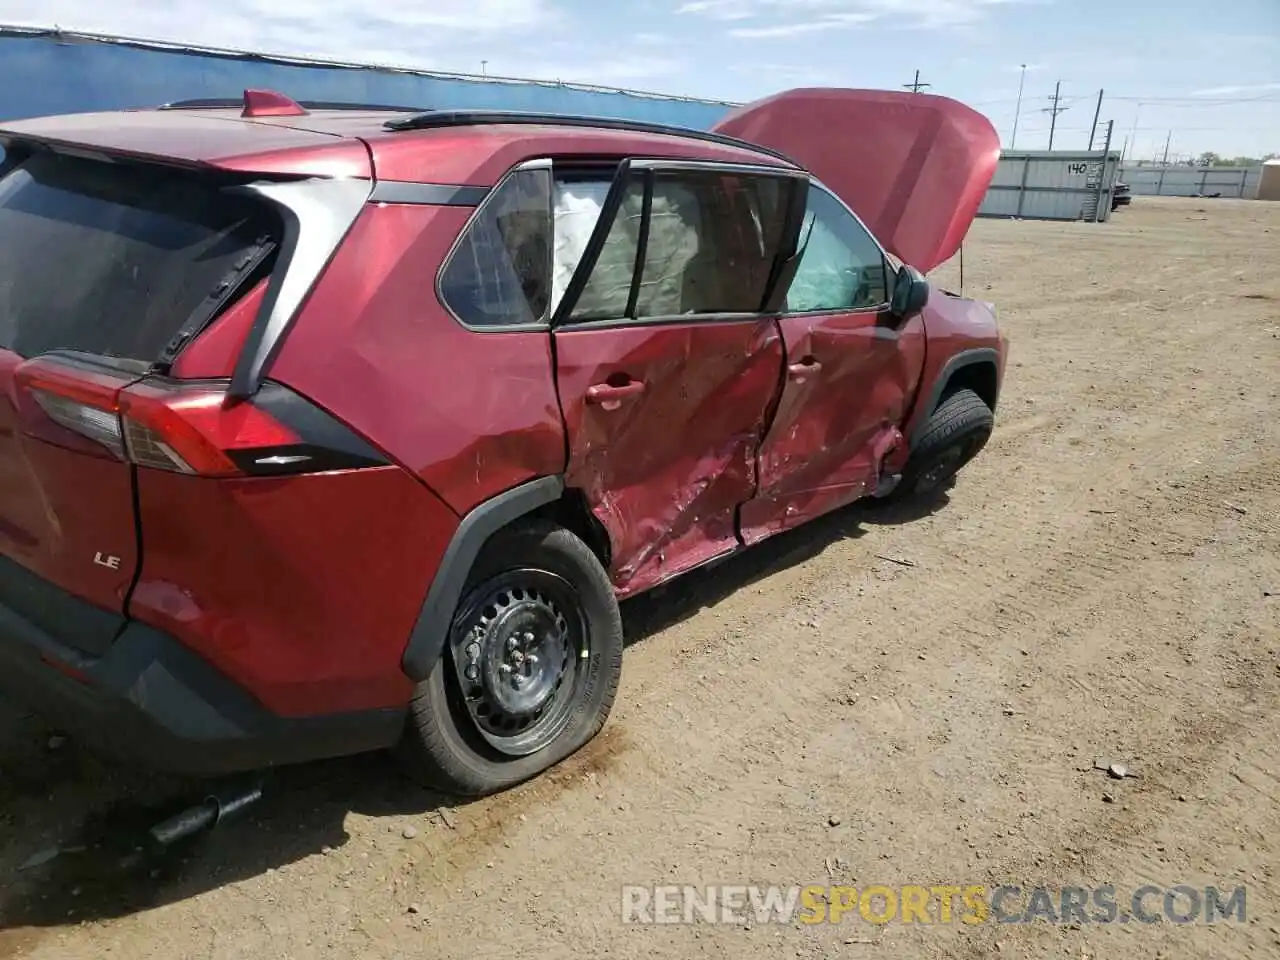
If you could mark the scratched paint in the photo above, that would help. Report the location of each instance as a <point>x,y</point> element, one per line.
<point>471,413</point>
<point>846,392</point>
<point>666,470</point>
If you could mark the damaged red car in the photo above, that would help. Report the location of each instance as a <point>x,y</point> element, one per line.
<point>331,428</point>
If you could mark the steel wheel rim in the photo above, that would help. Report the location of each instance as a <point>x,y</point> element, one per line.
<point>520,647</point>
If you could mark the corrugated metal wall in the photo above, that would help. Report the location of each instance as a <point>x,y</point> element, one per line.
<point>1157,181</point>
<point>43,73</point>
<point>1058,185</point>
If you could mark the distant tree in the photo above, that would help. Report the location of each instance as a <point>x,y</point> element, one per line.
<point>1208,159</point>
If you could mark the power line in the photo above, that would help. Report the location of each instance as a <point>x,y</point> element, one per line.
<point>1142,129</point>
<point>1174,102</point>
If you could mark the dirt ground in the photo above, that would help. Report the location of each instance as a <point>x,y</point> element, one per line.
<point>1103,582</point>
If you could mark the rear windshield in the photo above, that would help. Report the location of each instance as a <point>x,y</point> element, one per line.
<point>115,259</point>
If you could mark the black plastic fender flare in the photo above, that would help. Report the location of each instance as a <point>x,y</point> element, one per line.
<point>431,630</point>
<point>965,358</point>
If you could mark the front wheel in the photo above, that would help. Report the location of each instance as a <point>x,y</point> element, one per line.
<point>530,670</point>
<point>953,435</point>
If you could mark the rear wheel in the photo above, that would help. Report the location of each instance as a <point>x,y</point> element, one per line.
<point>530,669</point>
<point>952,436</point>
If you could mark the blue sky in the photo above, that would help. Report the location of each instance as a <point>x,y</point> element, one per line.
<point>1209,74</point>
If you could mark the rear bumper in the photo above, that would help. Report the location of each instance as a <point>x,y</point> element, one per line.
<point>150,701</point>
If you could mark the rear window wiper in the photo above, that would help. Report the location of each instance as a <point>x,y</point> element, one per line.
<point>222,294</point>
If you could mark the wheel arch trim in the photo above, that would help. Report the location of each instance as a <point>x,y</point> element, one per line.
<point>965,358</point>
<point>431,629</point>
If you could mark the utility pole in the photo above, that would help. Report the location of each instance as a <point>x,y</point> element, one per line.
<point>1094,129</point>
<point>915,85</point>
<point>1106,188</point>
<point>1017,112</point>
<point>1133,134</point>
<point>1054,110</point>
<point>1165,160</point>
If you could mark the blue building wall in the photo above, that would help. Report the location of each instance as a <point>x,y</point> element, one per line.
<point>47,73</point>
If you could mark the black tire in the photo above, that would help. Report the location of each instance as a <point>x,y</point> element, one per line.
<point>449,745</point>
<point>952,436</point>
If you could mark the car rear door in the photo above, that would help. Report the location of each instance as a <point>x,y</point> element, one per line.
<point>667,366</point>
<point>852,370</point>
<point>101,265</point>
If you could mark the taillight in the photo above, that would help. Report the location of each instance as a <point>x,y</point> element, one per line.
<point>98,424</point>
<point>188,427</point>
<point>77,396</point>
<point>192,430</point>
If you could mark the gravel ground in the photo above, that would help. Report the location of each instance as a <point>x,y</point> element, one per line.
<point>1103,582</point>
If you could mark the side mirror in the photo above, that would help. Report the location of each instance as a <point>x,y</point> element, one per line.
<point>910,293</point>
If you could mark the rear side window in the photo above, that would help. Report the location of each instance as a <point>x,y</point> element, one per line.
<point>498,275</point>
<point>709,246</point>
<point>114,259</point>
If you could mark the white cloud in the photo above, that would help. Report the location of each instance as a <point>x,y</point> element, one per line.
<point>395,34</point>
<point>934,13</point>
<point>717,9</point>
<point>782,18</point>
<point>608,72</point>
<point>835,22</point>
<point>1236,88</point>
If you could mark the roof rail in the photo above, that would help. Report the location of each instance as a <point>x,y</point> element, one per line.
<point>470,118</point>
<point>231,103</point>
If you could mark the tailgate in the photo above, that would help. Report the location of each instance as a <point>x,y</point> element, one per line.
<point>105,269</point>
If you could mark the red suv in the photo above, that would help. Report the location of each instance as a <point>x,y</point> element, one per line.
<point>325,429</point>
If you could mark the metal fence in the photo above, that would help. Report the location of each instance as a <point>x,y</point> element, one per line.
<point>1160,181</point>
<point>44,72</point>
<point>1058,185</point>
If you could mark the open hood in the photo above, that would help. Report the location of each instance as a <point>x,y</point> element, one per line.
<point>913,166</point>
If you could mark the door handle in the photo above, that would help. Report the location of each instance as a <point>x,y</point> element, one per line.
<point>804,368</point>
<point>610,395</point>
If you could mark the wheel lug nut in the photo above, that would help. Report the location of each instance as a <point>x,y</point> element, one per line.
<point>505,668</point>
<point>513,643</point>
<point>472,672</point>
<point>528,637</point>
<point>473,651</point>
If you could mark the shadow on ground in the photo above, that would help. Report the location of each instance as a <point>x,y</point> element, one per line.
<point>97,814</point>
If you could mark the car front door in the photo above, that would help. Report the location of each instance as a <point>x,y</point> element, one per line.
<point>666,365</point>
<point>851,370</point>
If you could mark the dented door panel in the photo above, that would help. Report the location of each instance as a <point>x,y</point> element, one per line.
<point>665,421</point>
<point>850,380</point>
